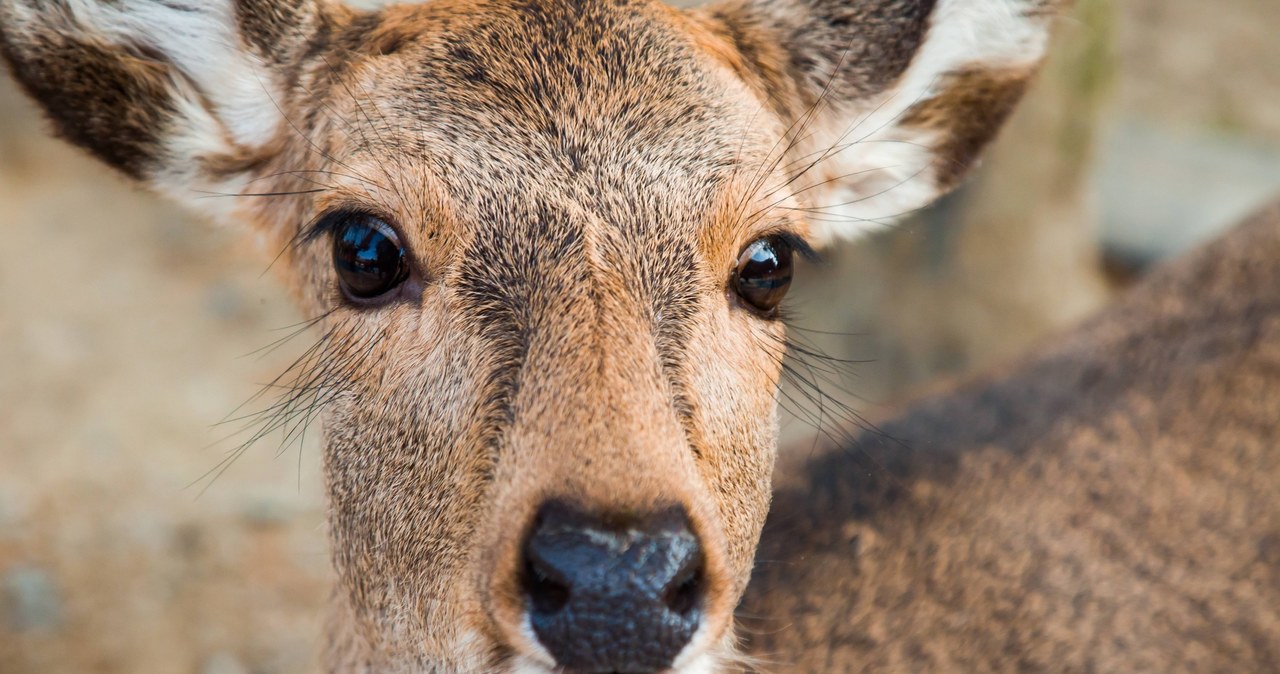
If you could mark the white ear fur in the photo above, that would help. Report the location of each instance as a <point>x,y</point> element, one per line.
<point>200,39</point>
<point>868,169</point>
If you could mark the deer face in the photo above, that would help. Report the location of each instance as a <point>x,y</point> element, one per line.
<point>567,379</point>
<point>544,243</point>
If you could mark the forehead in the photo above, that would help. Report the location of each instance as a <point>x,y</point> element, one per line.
<point>565,96</point>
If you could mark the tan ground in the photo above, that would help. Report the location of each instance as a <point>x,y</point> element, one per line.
<point>124,329</point>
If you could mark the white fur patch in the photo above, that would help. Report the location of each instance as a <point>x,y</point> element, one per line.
<point>694,659</point>
<point>704,664</point>
<point>200,38</point>
<point>197,134</point>
<point>541,659</point>
<point>875,171</point>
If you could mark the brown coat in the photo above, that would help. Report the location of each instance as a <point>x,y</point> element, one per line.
<point>1110,504</point>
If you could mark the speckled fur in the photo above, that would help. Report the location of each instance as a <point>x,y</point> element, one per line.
<point>1112,504</point>
<point>574,181</point>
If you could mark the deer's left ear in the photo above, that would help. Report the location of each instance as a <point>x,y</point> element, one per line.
<point>890,102</point>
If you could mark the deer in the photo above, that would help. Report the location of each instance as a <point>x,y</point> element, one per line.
<point>1109,503</point>
<point>545,244</point>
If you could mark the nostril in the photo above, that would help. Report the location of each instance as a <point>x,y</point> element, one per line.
<point>684,594</point>
<point>547,592</point>
<point>613,593</point>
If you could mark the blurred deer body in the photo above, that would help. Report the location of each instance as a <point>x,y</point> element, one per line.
<point>1111,504</point>
<point>543,242</point>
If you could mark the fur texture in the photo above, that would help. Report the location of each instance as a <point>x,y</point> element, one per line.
<point>1108,505</point>
<point>574,181</point>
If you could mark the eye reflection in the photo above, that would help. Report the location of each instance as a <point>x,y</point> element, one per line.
<point>368,257</point>
<point>764,273</point>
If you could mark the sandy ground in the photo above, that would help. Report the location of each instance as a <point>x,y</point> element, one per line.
<point>127,332</point>
<point>124,329</point>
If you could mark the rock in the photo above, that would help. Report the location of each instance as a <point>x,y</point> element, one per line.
<point>225,301</point>
<point>266,513</point>
<point>223,662</point>
<point>1164,191</point>
<point>30,601</point>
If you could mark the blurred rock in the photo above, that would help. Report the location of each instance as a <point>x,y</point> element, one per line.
<point>31,601</point>
<point>1163,191</point>
<point>225,300</point>
<point>267,513</point>
<point>223,663</point>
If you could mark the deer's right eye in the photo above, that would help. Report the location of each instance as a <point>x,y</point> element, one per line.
<point>368,257</point>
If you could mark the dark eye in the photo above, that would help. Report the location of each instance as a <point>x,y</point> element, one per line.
<point>368,257</point>
<point>764,273</point>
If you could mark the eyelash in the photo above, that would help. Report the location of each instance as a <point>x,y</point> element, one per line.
<point>328,222</point>
<point>797,243</point>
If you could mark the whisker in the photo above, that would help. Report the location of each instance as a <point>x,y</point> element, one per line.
<point>316,378</point>
<point>215,195</point>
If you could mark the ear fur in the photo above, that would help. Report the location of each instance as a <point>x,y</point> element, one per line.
<point>181,94</point>
<point>890,101</point>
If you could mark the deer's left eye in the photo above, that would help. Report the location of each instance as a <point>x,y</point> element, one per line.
<point>764,273</point>
<point>368,257</point>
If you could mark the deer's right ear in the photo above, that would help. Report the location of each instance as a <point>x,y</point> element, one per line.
<point>889,102</point>
<point>182,95</point>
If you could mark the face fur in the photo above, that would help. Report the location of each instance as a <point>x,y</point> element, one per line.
<point>572,240</point>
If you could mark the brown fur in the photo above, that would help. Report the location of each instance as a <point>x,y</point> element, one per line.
<point>1108,505</point>
<point>873,41</point>
<point>973,106</point>
<point>112,102</point>
<point>574,181</point>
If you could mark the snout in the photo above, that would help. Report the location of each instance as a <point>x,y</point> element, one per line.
<point>608,594</point>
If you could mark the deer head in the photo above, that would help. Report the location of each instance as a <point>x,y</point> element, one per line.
<point>544,243</point>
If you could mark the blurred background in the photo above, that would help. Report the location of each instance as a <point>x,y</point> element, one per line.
<point>128,332</point>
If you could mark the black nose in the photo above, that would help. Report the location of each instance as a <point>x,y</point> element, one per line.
<point>613,594</point>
